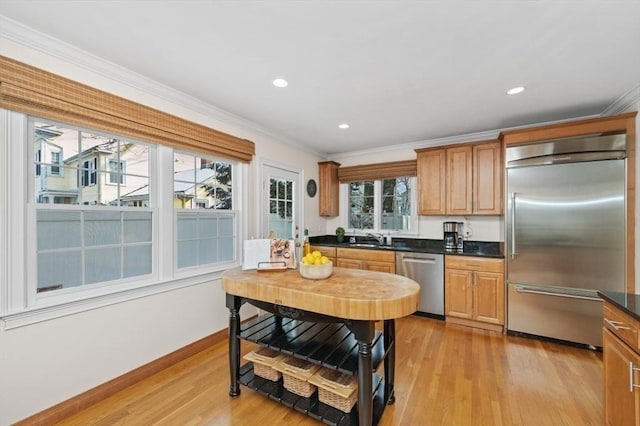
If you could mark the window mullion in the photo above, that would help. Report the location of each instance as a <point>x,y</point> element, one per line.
<point>165,219</point>
<point>19,242</point>
<point>377,205</point>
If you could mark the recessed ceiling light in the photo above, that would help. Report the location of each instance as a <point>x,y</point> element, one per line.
<point>343,126</point>
<point>515,90</point>
<point>280,82</point>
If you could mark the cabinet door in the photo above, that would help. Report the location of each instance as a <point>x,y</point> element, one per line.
<point>328,188</point>
<point>431,169</point>
<point>621,400</point>
<point>349,263</point>
<point>488,178</point>
<point>380,266</point>
<point>330,252</point>
<point>458,293</point>
<point>459,180</point>
<point>488,297</point>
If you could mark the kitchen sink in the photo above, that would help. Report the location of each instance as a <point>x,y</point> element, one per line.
<point>370,245</point>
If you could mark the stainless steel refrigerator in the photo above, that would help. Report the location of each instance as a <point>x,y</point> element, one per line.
<point>565,235</point>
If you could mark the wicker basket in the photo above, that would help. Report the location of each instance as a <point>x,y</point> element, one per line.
<point>336,389</point>
<point>296,373</point>
<point>263,361</point>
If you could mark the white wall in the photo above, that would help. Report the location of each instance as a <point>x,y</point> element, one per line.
<point>48,362</point>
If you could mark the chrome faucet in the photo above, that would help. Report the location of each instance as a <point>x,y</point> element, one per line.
<point>378,237</point>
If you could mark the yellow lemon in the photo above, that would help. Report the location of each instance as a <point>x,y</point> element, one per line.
<point>303,260</point>
<point>317,261</point>
<point>317,253</point>
<point>324,260</point>
<point>310,258</point>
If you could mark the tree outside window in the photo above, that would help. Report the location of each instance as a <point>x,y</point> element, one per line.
<point>381,204</point>
<point>361,205</point>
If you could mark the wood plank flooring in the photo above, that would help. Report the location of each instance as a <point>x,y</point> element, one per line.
<point>445,375</point>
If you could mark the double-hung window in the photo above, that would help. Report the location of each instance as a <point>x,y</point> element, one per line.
<point>89,235</point>
<point>88,171</point>
<point>116,171</point>
<point>206,223</point>
<point>382,205</point>
<point>87,213</point>
<point>55,163</point>
<point>106,224</point>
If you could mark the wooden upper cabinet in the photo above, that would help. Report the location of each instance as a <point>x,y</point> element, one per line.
<point>459,180</point>
<point>488,177</point>
<point>328,188</point>
<point>431,170</point>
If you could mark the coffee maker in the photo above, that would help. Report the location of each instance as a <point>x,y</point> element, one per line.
<point>453,232</point>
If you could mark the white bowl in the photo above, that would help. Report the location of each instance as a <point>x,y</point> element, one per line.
<point>316,272</point>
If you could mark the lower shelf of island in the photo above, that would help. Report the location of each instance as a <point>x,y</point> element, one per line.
<point>311,406</point>
<point>331,345</point>
<point>328,344</point>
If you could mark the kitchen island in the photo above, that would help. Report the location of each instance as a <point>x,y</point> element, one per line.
<point>304,316</point>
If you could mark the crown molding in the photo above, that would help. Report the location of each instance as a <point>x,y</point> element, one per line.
<point>58,49</point>
<point>451,140</point>
<point>448,140</point>
<point>624,103</point>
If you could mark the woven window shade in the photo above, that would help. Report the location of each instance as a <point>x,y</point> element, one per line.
<point>30,90</point>
<point>377,171</point>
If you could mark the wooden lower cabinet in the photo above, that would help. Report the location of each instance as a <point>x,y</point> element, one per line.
<point>621,360</point>
<point>330,252</point>
<point>474,291</point>
<point>371,260</point>
<point>621,401</point>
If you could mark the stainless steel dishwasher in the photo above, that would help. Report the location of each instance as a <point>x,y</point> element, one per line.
<point>427,270</point>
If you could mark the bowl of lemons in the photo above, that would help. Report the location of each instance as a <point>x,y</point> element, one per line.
<point>315,266</point>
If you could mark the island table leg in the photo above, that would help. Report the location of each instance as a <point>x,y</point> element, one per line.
<point>364,332</point>
<point>389,330</point>
<point>234,303</point>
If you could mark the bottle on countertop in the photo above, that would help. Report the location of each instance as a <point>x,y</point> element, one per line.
<point>306,247</point>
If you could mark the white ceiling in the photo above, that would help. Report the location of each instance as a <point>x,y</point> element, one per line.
<point>397,71</point>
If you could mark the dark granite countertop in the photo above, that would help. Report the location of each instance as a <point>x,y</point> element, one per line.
<point>626,302</point>
<point>419,245</point>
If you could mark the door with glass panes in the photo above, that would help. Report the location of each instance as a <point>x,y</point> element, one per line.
<point>281,195</point>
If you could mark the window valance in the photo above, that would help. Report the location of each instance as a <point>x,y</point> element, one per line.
<point>30,90</point>
<point>377,171</point>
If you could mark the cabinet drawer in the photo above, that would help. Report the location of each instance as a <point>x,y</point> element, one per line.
<point>622,325</point>
<point>360,254</point>
<point>473,263</point>
<point>325,250</point>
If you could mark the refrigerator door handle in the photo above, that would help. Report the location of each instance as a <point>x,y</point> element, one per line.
<point>558,293</point>
<point>512,195</point>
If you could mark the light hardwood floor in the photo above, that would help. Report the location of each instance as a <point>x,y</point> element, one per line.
<point>446,375</point>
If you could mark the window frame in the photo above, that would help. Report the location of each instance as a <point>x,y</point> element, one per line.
<point>208,211</point>
<point>56,164</point>
<point>119,171</point>
<point>89,172</point>
<point>377,208</point>
<point>19,303</point>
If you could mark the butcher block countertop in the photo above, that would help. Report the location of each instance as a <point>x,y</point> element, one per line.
<point>348,293</point>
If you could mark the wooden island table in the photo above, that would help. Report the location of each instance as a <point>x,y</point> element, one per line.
<point>328,322</point>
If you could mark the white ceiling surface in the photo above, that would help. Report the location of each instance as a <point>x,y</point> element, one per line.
<point>397,71</point>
